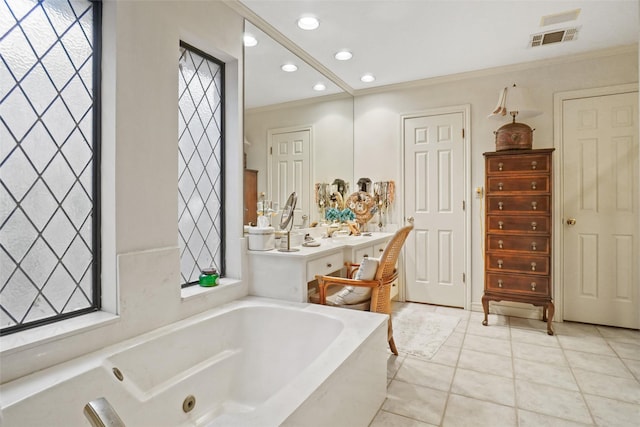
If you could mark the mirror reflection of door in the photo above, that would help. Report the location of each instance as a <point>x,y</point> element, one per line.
<point>290,168</point>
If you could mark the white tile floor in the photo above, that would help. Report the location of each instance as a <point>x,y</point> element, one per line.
<point>511,373</point>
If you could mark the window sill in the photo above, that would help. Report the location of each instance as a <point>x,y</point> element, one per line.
<point>30,338</point>
<point>195,291</point>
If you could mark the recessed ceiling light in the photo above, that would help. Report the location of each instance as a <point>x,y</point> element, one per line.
<point>308,22</point>
<point>289,68</point>
<point>343,55</point>
<point>249,40</point>
<point>319,87</point>
<point>367,78</point>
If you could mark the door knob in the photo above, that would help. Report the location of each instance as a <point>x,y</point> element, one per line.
<point>410,220</point>
<point>571,221</point>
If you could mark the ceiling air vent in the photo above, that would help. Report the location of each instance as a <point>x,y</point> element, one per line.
<point>555,36</point>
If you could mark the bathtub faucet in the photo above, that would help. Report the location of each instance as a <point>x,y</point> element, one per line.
<point>100,413</point>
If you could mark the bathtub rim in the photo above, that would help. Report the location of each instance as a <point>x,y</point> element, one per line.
<point>360,324</point>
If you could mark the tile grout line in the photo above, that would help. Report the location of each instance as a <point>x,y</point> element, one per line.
<point>455,369</point>
<point>513,368</point>
<point>573,375</point>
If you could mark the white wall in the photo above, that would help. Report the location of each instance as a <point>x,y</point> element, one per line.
<point>377,139</point>
<point>140,268</point>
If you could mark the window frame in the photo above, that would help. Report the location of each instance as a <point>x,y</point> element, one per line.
<point>223,139</point>
<point>96,297</point>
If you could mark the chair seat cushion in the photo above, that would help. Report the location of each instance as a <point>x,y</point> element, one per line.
<point>368,269</point>
<point>355,294</point>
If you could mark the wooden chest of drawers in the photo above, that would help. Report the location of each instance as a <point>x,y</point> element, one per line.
<point>518,229</point>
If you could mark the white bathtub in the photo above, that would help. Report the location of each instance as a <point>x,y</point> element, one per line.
<point>252,362</point>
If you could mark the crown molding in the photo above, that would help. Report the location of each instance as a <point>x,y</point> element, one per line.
<point>602,53</point>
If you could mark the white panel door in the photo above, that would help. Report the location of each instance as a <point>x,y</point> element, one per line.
<point>600,192</point>
<point>290,169</point>
<point>434,196</point>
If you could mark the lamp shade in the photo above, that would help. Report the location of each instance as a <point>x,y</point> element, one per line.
<point>519,102</point>
<point>515,101</point>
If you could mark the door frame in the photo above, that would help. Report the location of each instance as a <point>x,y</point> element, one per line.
<point>312,175</point>
<point>558,213</point>
<point>465,110</point>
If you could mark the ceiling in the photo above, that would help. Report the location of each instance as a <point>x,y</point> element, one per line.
<point>400,41</point>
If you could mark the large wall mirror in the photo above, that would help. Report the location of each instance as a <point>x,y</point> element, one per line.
<point>295,136</point>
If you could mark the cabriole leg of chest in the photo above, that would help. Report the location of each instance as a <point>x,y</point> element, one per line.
<point>551,310</point>
<point>485,307</point>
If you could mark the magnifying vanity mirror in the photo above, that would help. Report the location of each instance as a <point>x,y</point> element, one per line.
<point>286,221</point>
<point>288,212</point>
<point>295,136</point>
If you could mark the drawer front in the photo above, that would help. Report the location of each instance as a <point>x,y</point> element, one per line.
<point>509,224</point>
<point>516,283</point>
<point>520,204</point>
<point>378,249</point>
<point>534,183</point>
<point>503,165</point>
<point>518,264</point>
<point>374,251</point>
<point>530,244</point>
<point>325,265</point>
<point>360,253</point>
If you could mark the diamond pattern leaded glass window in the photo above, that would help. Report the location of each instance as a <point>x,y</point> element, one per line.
<point>200,165</point>
<point>48,224</point>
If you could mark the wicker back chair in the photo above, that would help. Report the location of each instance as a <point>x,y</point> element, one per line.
<point>380,286</point>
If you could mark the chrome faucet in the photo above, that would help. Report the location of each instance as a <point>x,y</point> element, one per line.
<point>100,413</point>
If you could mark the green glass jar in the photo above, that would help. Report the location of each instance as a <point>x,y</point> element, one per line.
<point>209,277</point>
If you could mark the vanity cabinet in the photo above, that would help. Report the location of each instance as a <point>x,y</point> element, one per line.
<point>286,275</point>
<point>518,229</point>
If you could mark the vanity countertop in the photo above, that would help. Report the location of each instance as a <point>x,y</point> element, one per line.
<point>328,245</point>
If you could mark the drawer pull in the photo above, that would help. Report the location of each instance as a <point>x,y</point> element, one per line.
<point>534,225</point>
<point>533,286</point>
<point>534,205</point>
<point>534,185</point>
<point>500,185</point>
<point>500,263</point>
<point>534,165</point>
<point>500,165</point>
<point>380,250</point>
<point>500,205</point>
<point>500,225</point>
<point>534,246</point>
<point>329,265</point>
<point>500,242</point>
<point>533,266</point>
<point>500,283</point>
